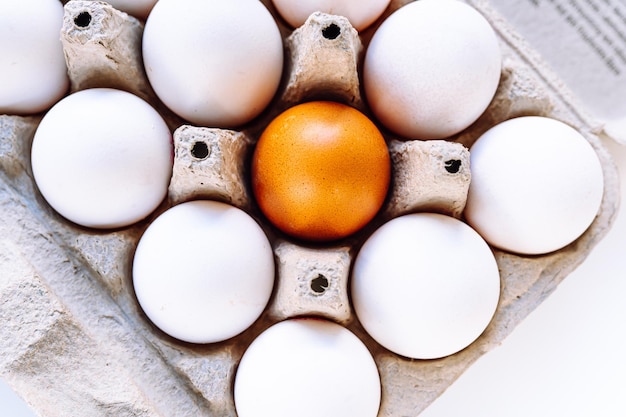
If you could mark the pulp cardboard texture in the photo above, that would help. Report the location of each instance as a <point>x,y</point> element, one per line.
<point>73,339</point>
<point>584,42</point>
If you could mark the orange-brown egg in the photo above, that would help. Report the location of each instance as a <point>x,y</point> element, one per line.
<point>321,171</point>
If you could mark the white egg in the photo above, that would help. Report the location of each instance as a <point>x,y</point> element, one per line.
<point>537,185</point>
<point>307,368</point>
<point>425,285</point>
<point>431,69</point>
<point>214,63</point>
<point>32,64</point>
<point>137,8</point>
<point>360,13</point>
<point>102,158</point>
<point>203,271</point>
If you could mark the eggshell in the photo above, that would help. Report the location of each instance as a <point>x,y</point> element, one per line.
<point>98,167</point>
<point>137,8</point>
<point>360,13</point>
<point>32,64</point>
<point>214,63</point>
<point>307,368</point>
<point>425,285</point>
<point>203,271</point>
<point>431,69</point>
<point>320,171</point>
<point>537,185</point>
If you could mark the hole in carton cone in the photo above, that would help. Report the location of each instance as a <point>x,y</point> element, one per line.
<point>82,19</point>
<point>331,31</point>
<point>453,166</point>
<point>200,150</point>
<point>319,284</point>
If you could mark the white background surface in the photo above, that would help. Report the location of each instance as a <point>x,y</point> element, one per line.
<point>11,405</point>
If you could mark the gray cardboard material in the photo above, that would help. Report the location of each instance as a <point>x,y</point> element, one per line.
<point>584,42</point>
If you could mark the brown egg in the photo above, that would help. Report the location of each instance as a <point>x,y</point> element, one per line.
<point>321,171</point>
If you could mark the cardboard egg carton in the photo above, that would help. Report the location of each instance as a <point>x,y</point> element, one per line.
<point>74,340</point>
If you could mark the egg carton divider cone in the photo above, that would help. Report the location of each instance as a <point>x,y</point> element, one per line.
<point>72,321</point>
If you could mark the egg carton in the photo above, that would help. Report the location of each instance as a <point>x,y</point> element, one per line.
<point>74,340</point>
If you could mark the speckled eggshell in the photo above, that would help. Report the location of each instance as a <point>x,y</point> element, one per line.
<point>425,285</point>
<point>98,167</point>
<point>360,13</point>
<point>307,368</point>
<point>203,271</point>
<point>431,69</point>
<point>32,64</point>
<point>537,185</point>
<point>214,63</point>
